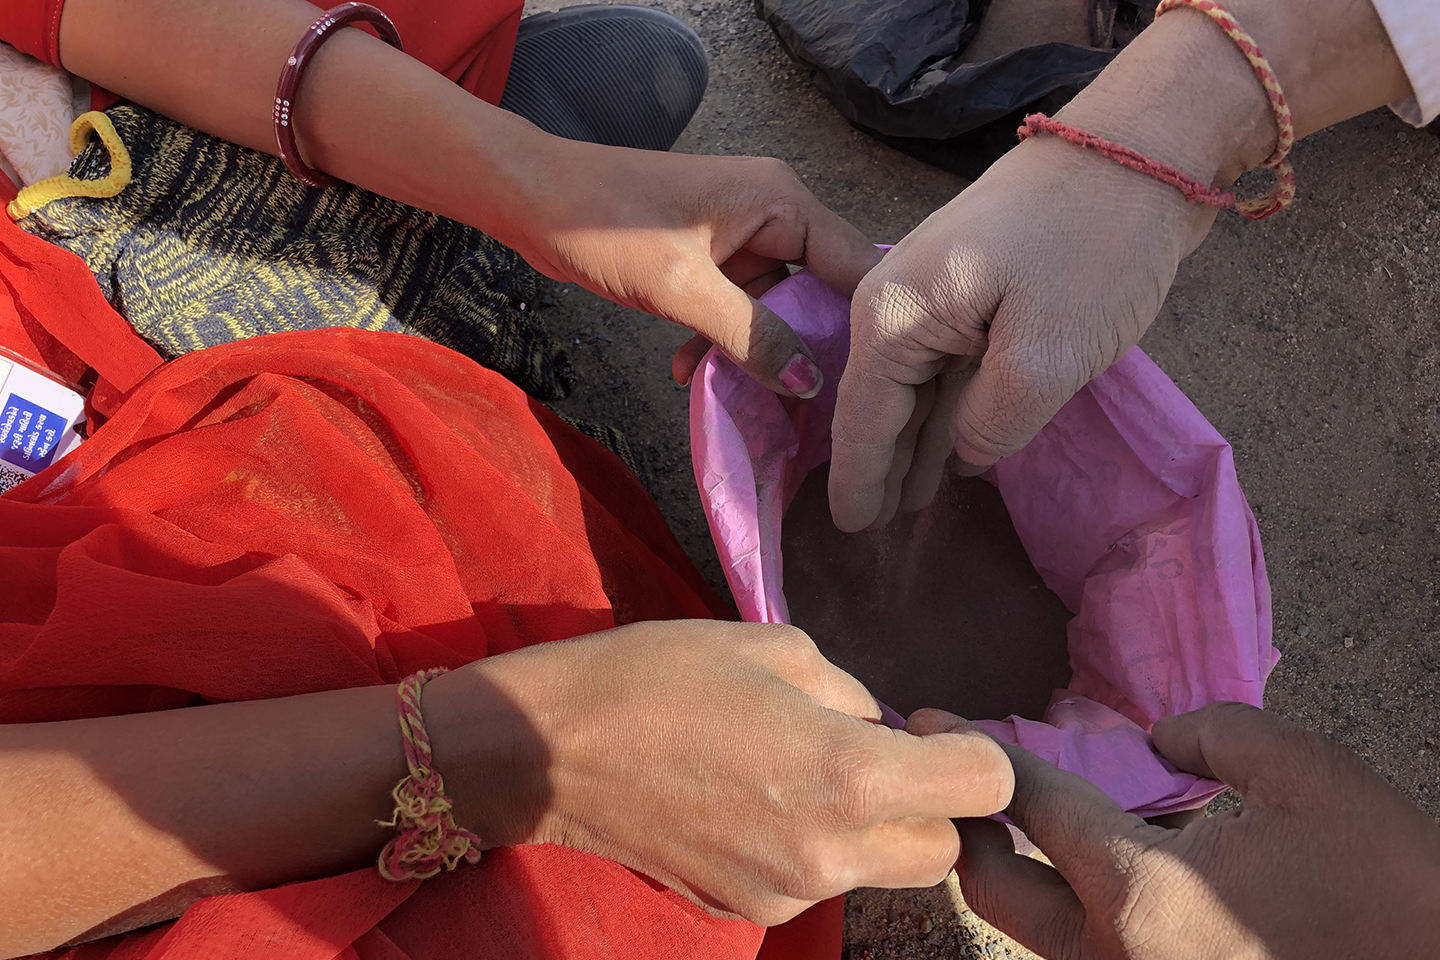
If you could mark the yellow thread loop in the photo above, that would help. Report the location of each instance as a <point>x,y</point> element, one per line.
<point>36,195</point>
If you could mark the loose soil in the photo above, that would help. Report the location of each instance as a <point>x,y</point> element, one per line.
<point>940,608</point>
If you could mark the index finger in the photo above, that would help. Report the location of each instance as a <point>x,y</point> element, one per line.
<point>871,411</point>
<point>957,773</point>
<point>836,252</point>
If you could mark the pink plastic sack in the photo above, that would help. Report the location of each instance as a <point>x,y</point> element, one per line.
<point>1127,504</point>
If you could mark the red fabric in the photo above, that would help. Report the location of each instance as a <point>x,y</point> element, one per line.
<point>8,190</point>
<point>318,510</point>
<point>469,41</point>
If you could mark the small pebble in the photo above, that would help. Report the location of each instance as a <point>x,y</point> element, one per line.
<point>926,925</point>
<point>1349,643</point>
<point>1304,631</point>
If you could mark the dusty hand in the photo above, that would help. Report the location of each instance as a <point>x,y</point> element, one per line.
<point>1054,263</point>
<point>693,239</point>
<point>730,762</point>
<point>1324,859</point>
<point>1049,268</point>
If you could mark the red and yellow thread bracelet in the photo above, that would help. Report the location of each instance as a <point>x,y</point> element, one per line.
<point>427,838</point>
<point>1257,208</point>
<point>1279,198</point>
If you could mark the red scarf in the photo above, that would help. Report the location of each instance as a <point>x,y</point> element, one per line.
<point>353,507</point>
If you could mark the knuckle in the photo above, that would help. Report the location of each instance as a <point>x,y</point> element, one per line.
<point>780,643</point>
<point>770,911</point>
<point>820,871</point>
<point>777,170</point>
<point>791,639</point>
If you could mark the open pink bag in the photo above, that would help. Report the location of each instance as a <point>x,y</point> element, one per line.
<point>1127,504</point>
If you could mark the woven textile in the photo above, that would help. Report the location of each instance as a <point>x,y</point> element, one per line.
<point>214,243</point>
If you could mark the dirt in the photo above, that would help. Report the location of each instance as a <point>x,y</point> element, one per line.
<point>940,608</point>
<point>1309,340</point>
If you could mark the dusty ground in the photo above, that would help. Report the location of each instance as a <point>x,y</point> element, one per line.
<point>1310,341</point>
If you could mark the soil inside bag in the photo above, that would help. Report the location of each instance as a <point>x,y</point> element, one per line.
<point>940,608</point>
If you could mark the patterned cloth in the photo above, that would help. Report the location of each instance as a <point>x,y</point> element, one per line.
<point>38,102</point>
<point>213,242</point>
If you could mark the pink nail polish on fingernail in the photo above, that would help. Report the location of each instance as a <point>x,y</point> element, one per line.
<point>801,377</point>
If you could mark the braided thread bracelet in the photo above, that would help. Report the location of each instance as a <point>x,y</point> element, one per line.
<point>330,22</point>
<point>427,838</point>
<point>1257,208</point>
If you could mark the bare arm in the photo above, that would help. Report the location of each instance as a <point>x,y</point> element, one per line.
<point>649,230</point>
<point>115,823</point>
<point>624,744</point>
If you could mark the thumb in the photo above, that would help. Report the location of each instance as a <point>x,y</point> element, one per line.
<point>1240,745</point>
<point>747,331</point>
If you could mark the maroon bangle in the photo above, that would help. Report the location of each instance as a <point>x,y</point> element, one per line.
<point>330,21</point>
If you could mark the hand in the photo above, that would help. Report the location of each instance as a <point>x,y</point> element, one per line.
<point>729,761</point>
<point>692,239</point>
<point>1049,268</point>
<point>1324,859</point>
<point>684,237</point>
<point>1055,262</point>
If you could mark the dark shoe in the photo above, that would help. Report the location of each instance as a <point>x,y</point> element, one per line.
<point>623,75</point>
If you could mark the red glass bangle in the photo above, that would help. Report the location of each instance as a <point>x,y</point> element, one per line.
<point>320,31</point>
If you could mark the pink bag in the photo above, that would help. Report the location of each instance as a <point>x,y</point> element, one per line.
<point>1127,504</point>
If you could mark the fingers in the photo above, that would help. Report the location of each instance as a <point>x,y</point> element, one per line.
<point>795,659</point>
<point>930,720</point>
<point>904,853</point>
<point>836,252</point>
<point>901,461</point>
<point>1019,895</point>
<point>753,273</point>
<point>1011,397</point>
<point>687,359</point>
<point>1233,742</point>
<point>1091,840</point>
<point>747,331</point>
<point>958,772</point>
<point>870,414</point>
<point>932,450</point>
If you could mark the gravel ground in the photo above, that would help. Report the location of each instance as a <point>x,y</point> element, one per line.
<point>1309,341</point>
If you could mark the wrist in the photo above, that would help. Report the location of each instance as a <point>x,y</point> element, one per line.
<point>487,750</point>
<point>1184,93</point>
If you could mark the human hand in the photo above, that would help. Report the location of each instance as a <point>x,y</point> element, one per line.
<point>1052,265</point>
<point>1324,859</point>
<point>729,761</point>
<point>1049,268</point>
<point>693,239</point>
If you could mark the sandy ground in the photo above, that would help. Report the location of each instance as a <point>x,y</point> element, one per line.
<point>1310,341</point>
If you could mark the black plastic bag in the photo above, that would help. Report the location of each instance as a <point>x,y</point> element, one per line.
<point>894,69</point>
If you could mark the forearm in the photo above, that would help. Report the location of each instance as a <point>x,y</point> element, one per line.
<point>117,822</point>
<point>1184,93</point>
<point>365,112</point>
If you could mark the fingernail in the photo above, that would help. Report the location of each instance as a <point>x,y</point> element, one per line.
<point>967,469</point>
<point>801,377</point>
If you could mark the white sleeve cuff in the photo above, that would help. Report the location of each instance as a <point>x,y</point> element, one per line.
<point>1414,29</point>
